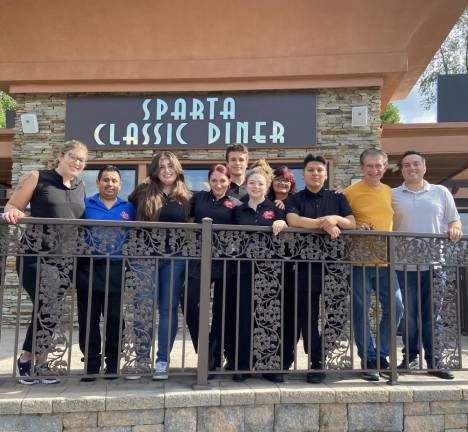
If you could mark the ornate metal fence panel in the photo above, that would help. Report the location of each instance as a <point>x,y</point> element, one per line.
<point>443,259</point>
<point>270,269</point>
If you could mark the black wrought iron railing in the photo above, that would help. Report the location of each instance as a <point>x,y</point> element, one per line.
<point>106,299</point>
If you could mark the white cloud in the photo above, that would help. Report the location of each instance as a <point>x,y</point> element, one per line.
<point>411,110</point>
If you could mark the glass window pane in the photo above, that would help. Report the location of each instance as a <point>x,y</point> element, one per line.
<point>197,179</point>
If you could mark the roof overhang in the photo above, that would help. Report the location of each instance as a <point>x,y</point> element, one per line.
<point>174,45</point>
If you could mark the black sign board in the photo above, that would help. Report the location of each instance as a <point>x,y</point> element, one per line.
<point>209,121</point>
<point>452,98</point>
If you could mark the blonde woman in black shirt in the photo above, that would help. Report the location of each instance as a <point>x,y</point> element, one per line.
<point>52,193</point>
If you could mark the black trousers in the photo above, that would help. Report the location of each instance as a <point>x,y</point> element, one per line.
<point>96,309</point>
<point>309,297</point>
<point>309,304</point>
<point>242,320</point>
<point>191,308</point>
<point>28,280</point>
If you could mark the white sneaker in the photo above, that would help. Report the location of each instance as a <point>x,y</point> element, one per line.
<point>132,377</point>
<point>160,372</point>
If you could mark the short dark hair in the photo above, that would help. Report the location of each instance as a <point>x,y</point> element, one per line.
<point>312,158</point>
<point>109,168</point>
<point>373,151</point>
<point>409,153</point>
<point>241,148</point>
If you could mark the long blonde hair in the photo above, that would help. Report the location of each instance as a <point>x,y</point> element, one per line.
<point>149,196</point>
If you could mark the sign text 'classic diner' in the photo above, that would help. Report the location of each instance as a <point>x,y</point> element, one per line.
<point>257,120</point>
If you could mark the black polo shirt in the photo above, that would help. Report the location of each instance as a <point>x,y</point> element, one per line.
<point>314,205</point>
<point>172,211</point>
<point>236,191</point>
<point>265,214</point>
<point>204,204</point>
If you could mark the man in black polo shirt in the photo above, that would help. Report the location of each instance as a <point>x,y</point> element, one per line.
<point>237,158</point>
<point>315,208</point>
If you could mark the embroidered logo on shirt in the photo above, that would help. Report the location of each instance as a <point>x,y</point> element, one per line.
<point>124,214</point>
<point>269,214</point>
<point>229,204</point>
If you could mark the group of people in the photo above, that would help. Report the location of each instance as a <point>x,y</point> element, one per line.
<point>260,197</point>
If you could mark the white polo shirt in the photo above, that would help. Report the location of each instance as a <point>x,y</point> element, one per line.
<point>428,210</point>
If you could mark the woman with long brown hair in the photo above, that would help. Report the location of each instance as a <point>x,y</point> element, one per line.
<point>164,197</point>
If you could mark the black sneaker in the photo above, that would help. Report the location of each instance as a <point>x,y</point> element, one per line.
<point>87,379</point>
<point>385,371</point>
<point>240,377</point>
<point>274,377</point>
<point>23,369</point>
<point>370,375</point>
<point>315,377</point>
<point>442,373</point>
<point>110,371</point>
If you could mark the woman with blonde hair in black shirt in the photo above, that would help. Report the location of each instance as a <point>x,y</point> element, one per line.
<point>51,193</point>
<point>259,211</point>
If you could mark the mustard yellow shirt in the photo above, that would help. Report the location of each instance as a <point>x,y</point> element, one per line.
<point>371,206</point>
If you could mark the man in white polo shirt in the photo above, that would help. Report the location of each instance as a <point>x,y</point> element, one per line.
<point>424,208</point>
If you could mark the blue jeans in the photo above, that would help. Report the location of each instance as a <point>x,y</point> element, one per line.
<point>410,297</point>
<point>160,292</point>
<point>362,330</point>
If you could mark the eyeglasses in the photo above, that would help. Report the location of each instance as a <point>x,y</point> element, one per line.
<point>282,180</point>
<point>76,158</point>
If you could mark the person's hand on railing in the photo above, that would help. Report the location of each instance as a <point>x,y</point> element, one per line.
<point>334,232</point>
<point>13,215</point>
<point>328,222</point>
<point>278,226</point>
<point>455,233</point>
<point>365,227</point>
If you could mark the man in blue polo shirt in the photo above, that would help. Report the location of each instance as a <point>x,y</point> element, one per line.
<point>105,205</point>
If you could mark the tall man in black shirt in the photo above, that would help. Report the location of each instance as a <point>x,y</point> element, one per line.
<point>315,208</point>
<point>237,158</point>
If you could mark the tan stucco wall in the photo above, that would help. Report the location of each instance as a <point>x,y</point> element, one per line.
<point>143,45</point>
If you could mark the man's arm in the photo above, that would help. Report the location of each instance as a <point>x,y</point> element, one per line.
<point>294,220</point>
<point>347,222</point>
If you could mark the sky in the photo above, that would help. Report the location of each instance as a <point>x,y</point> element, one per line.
<point>411,110</point>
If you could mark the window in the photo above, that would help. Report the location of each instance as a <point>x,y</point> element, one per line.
<point>128,174</point>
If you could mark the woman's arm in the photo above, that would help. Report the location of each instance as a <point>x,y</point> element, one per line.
<point>14,208</point>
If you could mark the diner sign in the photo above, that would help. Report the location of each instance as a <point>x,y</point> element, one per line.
<point>209,121</point>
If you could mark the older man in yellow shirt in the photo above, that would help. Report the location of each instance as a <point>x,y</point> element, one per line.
<point>371,203</point>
